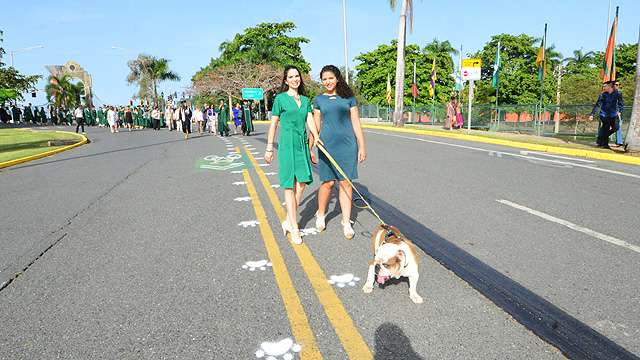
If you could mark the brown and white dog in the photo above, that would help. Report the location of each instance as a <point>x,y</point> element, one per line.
<point>394,257</point>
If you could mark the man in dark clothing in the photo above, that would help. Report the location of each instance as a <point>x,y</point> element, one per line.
<point>610,104</point>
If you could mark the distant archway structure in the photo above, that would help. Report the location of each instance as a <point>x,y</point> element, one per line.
<point>72,68</point>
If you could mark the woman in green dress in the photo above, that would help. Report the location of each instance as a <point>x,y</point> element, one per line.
<point>337,120</point>
<point>293,110</point>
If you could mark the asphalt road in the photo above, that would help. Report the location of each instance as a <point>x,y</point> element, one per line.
<point>127,248</point>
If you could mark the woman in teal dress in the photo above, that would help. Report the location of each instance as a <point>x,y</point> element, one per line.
<point>336,116</point>
<point>293,110</point>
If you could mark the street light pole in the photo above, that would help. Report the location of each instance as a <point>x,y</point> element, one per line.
<point>129,51</point>
<point>22,50</point>
<point>346,61</point>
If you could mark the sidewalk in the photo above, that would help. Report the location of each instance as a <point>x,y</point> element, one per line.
<point>513,139</point>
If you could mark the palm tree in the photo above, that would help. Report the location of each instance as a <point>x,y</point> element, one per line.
<point>632,141</point>
<point>147,71</point>
<point>265,51</point>
<point>61,90</point>
<point>406,10</point>
<point>579,60</point>
<point>437,47</point>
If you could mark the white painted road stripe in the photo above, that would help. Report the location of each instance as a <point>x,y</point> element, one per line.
<point>507,153</point>
<point>573,226</point>
<point>556,156</point>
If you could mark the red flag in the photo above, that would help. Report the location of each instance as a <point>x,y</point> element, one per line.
<point>608,72</point>
<point>414,87</point>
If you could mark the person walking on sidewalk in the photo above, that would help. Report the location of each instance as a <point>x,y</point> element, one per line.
<point>79,113</point>
<point>223,117</point>
<point>611,106</point>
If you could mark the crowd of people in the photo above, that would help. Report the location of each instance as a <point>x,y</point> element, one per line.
<point>180,118</point>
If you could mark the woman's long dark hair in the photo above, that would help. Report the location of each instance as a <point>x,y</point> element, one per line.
<point>342,88</point>
<point>284,87</point>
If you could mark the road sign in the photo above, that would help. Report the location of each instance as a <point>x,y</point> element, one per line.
<point>471,69</point>
<point>252,94</point>
<point>467,63</point>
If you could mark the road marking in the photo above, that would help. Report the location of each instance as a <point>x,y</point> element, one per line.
<point>349,335</point>
<point>523,152</point>
<point>510,154</point>
<point>573,226</point>
<point>297,317</point>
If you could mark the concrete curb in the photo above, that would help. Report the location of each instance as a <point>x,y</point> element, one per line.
<point>38,156</point>
<point>536,147</point>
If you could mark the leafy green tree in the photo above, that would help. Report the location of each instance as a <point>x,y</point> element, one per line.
<point>10,78</point>
<point>267,43</point>
<point>376,65</point>
<point>519,82</point>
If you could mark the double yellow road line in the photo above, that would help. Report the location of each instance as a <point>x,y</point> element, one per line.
<point>348,334</point>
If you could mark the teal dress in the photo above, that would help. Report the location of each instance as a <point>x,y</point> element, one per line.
<point>336,133</point>
<point>293,145</point>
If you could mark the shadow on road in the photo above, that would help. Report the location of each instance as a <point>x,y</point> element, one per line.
<point>393,344</point>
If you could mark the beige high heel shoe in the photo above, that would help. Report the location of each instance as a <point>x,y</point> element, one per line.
<point>286,228</point>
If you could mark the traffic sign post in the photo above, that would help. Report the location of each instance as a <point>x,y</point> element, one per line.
<point>252,94</point>
<point>471,71</point>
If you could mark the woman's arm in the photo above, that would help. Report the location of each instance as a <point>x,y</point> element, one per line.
<point>311,123</point>
<point>317,116</point>
<point>268,155</point>
<point>357,129</point>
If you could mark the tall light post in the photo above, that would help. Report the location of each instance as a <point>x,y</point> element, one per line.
<point>129,51</point>
<point>346,61</point>
<point>22,50</point>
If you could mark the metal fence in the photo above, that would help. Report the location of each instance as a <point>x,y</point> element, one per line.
<point>572,120</point>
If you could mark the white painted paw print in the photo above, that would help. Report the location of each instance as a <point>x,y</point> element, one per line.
<point>246,198</point>
<point>283,349</point>
<point>310,231</point>
<point>254,265</point>
<point>255,153</point>
<point>275,186</point>
<point>251,223</point>
<point>240,183</point>
<point>237,172</point>
<point>343,280</point>
<point>263,165</point>
<point>270,173</point>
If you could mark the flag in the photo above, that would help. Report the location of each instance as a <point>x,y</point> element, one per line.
<point>496,67</point>
<point>609,64</point>
<point>388,88</point>
<point>459,83</point>
<point>414,87</point>
<point>432,84</point>
<point>540,60</point>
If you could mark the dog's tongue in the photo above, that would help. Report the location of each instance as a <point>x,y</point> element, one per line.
<point>382,279</point>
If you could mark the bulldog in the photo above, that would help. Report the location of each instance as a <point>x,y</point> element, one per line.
<point>395,256</point>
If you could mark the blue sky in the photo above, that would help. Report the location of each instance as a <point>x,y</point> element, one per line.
<point>189,32</point>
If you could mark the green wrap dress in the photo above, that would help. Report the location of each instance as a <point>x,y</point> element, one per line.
<point>293,145</point>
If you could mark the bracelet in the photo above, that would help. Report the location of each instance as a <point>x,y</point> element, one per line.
<point>268,150</point>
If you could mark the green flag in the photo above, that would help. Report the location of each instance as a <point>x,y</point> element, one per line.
<point>496,67</point>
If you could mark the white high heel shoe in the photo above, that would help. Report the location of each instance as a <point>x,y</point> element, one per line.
<point>348,230</point>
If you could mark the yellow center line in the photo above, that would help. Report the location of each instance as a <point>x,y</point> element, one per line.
<point>351,339</point>
<point>297,317</point>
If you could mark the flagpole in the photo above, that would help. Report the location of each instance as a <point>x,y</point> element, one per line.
<point>414,97</point>
<point>498,82</point>
<point>544,49</point>
<point>459,68</point>
<point>606,38</point>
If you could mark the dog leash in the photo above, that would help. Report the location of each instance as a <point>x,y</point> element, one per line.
<point>368,206</point>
